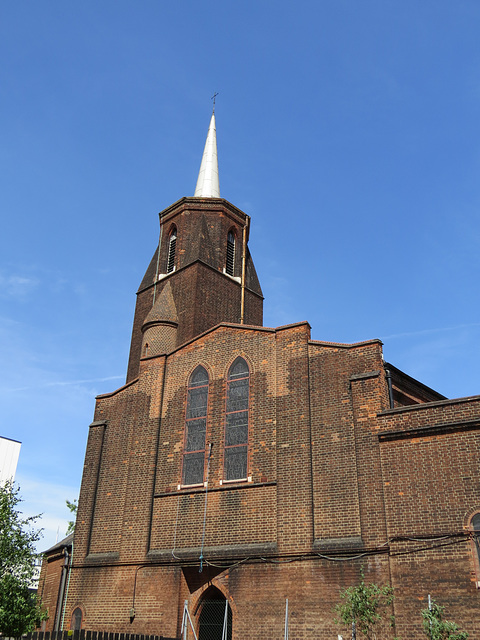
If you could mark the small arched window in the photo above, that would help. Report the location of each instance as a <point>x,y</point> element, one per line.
<point>215,619</point>
<point>76,619</point>
<point>236,422</point>
<point>195,427</point>
<point>172,243</point>
<point>230,263</point>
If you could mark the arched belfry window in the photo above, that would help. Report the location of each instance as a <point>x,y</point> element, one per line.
<point>236,422</point>
<point>172,243</point>
<point>195,427</point>
<point>230,263</point>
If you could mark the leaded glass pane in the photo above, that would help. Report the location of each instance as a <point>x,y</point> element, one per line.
<point>193,467</point>
<point>236,463</point>
<point>237,428</point>
<point>197,402</point>
<point>476,522</point>
<point>196,435</point>
<point>239,369</point>
<point>237,399</point>
<point>199,377</point>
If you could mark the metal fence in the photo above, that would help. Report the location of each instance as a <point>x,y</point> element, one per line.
<point>86,635</point>
<point>214,622</point>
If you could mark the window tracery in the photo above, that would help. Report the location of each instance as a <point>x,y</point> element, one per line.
<point>195,427</point>
<point>475,529</point>
<point>236,421</point>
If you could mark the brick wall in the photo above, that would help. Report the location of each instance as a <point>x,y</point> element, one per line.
<point>336,478</point>
<point>430,461</point>
<point>48,586</point>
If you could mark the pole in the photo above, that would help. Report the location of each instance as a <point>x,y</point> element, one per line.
<point>244,260</point>
<point>184,622</point>
<point>200,569</point>
<point>187,619</point>
<point>225,622</point>
<point>430,608</point>
<point>286,620</point>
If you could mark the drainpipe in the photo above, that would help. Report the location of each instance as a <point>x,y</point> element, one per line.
<point>244,256</point>
<point>69,570</point>
<point>61,591</point>
<point>388,376</point>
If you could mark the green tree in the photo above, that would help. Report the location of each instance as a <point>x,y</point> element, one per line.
<point>73,509</point>
<point>364,606</point>
<point>19,609</point>
<point>436,628</point>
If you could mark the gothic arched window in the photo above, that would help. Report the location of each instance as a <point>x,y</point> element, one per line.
<point>236,422</point>
<point>172,243</point>
<point>230,262</point>
<point>215,619</point>
<point>77,619</point>
<point>195,427</point>
<point>475,528</point>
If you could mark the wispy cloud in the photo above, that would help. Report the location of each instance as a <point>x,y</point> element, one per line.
<point>65,383</point>
<point>439,357</point>
<point>16,286</point>
<point>431,331</point>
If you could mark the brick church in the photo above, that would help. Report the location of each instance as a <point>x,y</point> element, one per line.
<point>243,465</point>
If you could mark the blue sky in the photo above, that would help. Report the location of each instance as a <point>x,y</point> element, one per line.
<point>348,130</point>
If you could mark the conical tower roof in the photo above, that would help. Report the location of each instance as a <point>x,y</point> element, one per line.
<point>208,185</point>
<point>164,310</point>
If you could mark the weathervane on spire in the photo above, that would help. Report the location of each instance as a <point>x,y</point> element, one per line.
<point>213,98</point>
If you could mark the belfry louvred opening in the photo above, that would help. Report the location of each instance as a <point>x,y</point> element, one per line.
<point>245,475</point>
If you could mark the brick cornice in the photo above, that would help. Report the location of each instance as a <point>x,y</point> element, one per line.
<point>204,264</point>
<point>203,204</point>
<point>112,393</point>
<point>428,405</point>
<point>346,345</point>
<point>433,430</point>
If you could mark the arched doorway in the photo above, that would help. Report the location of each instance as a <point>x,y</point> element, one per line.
<point>212,617</point>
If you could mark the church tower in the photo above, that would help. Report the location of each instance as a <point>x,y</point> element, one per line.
<point>201,273</point>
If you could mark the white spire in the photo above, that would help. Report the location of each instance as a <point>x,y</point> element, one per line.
<point>208,185</point>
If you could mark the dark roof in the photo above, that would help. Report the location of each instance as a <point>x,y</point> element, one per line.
<point>66,542</point>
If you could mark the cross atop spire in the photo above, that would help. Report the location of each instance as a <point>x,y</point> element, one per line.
<point>208,185</point>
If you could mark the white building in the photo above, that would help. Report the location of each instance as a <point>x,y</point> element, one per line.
<point>9,452</point>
